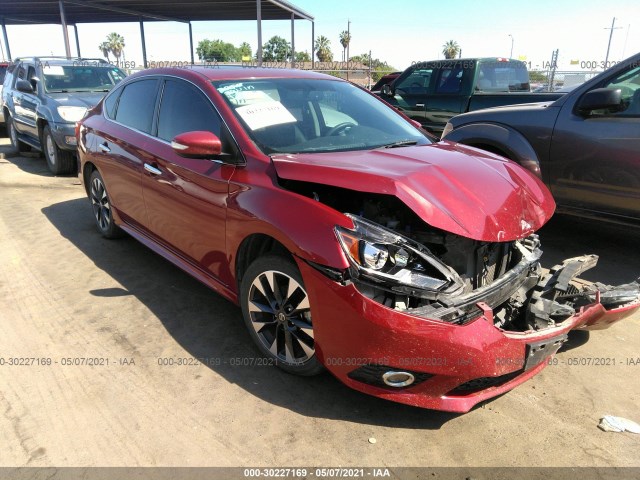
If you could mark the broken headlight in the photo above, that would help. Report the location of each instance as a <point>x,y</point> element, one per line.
<point>391,261</point>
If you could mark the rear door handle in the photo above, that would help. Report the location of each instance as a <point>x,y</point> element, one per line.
<point>152,169</point>
<point>104,147</point>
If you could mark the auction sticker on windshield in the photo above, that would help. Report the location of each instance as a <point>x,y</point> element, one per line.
<point>265,114</point>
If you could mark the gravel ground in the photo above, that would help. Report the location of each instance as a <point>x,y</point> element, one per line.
<point>67,293</point>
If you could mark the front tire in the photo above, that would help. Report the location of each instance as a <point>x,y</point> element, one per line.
<point>276,310</point>
<point>59,161</point>
<point>101,204</point>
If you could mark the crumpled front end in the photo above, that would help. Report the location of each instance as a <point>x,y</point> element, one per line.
<point>433,317</point>
<point>448,278</point>
<point>437,320</point>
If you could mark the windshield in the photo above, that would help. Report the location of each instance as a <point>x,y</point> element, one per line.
<point>72,78</point>
<point>505,76</point>
<point>313,115</point>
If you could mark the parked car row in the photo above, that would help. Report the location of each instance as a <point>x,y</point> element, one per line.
<point>433,92</point>
<point>44,97</point>
<point>351,240</point>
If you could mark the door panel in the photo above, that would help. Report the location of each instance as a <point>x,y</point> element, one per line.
<point>449,94</point>
<point>119,152</point>
<point>25,105</point>
<point>186,199</point>
<point>186,202</point>
<point>411,92</point>
<point>120,146</point>
<point>595,159</point>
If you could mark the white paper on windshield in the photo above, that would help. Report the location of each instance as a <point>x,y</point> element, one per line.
<point>54,70</point>
<point>265,114</point>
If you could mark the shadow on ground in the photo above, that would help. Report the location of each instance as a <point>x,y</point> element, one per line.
<point>208,326</point>
<point>565,237</point>
<point>30,162</point>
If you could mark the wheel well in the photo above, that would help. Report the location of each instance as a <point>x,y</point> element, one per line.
<point>86,174</point>
<point>255,246</point>
<point>492,149</point>
<point>41,122</point>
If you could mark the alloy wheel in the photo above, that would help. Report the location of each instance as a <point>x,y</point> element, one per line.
<point>280,314</point>
<point>100,203</point>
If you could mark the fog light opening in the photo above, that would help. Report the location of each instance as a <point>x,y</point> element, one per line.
<point>398,379</point>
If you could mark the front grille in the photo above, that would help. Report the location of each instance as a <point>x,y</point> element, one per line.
<point>372,375</point>
<point>478,384</point>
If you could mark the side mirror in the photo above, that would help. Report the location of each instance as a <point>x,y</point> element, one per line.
<point>34,82</point>
<point>24,86</point>
<point>386,90</point>
<point>600,98</point>
<point>197,144</point>
<point>415,123</point>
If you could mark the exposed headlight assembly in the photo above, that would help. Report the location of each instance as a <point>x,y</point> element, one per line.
<point>391,261</point>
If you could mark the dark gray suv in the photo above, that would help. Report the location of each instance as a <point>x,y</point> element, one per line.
<point>44,97</point>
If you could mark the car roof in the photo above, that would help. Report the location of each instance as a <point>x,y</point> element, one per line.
<point>216,72</point>
<point>65,61</point>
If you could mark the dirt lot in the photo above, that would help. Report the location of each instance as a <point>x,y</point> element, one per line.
<point>67,293</point>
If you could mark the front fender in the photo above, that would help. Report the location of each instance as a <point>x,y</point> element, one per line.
<point>498,138</point>
<point>304,226</point>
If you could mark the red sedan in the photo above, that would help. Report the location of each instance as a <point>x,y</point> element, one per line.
<point>351,241</point>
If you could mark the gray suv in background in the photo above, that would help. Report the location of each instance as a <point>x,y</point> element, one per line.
<point>44,97</point>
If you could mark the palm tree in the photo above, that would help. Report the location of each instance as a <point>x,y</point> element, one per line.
<point>345,40</point>
<point>104,47</point>
<point>323,49</point>
<point>451,49</point>
<point>116,44</point>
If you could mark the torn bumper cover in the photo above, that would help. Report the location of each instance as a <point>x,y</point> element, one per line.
<point>454,366</point>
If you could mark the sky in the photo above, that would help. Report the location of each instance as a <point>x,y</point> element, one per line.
<point>398,32</point>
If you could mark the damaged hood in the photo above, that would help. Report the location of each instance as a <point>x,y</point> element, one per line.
<point>452,187</point>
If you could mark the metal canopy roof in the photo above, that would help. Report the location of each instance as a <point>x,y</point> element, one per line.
<point>72,12</point>
<point>20,12</point>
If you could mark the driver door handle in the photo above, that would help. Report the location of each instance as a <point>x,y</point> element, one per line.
<point>152,169</point>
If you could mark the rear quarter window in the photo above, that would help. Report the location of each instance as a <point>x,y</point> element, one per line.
<point>111,102</point>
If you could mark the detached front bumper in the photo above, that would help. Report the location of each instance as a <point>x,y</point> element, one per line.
<point>64,133</point>
<point>454,366</point>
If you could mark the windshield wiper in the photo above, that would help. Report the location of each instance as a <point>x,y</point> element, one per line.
<point>401,143</point>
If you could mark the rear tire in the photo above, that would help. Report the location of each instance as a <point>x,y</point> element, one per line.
<point>276,310</point>
<point>101,204</point>
<point>59,161</point>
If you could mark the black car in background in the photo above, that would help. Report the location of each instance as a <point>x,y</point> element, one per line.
<point>585,146</point>
<point>44,97</point>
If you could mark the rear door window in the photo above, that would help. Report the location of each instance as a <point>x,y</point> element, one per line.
<point>450,80</point>
<point>502,76</point>
<point>137,105</point>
